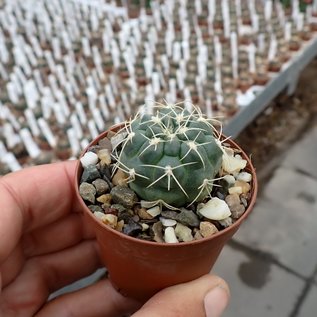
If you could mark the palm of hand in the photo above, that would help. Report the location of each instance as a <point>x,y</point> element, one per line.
<point>44,245</point>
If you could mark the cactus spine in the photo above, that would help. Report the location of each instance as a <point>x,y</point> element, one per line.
<point>172,156</point>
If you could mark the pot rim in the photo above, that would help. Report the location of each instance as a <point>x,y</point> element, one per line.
<point>254,190</point>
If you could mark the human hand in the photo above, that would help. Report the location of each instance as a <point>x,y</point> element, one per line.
<point>45,244</point>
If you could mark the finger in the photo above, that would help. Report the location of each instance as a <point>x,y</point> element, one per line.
<point>45,240</point>
<point>32,198</point>
<point>96,300</point>
<point>188,299</point>
<point>12,266</point>
<point>64,267</point>
<point>44,274</point>
<point>49,239</point>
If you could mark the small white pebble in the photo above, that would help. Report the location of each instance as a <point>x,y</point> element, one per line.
<point>89,158</point>
<point>229,179</point>
<point>244,176</point>
<point>145,226</point>
<point>169,235</point>
<point>154,211</point>
<point>231,164</point>
<point>215,209</point>
<point>168,222</point>
<point>235,190</point>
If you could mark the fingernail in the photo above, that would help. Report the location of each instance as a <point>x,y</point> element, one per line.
<point>215,301</point>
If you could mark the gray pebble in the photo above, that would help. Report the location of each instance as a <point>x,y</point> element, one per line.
<point>95,208</point>
<point>132,228</point>
<point>188,218</point>
<point>124,215</point>
<point>87,192</point>
<point>221,195</point>
<point>90,173</point>
<point>119,207</point>
<point>124,196</point>
<point>105,171</point>
<point>170,214</point>
<point>101,186</point>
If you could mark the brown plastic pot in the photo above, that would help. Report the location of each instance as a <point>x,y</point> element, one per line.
<point>139,268</point>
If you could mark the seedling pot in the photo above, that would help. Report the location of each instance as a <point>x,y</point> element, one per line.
<point>139,268</point>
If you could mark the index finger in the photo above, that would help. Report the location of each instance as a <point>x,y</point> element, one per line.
<point>32,198</point>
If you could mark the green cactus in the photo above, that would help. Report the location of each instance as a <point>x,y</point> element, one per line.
<point>172,156</point>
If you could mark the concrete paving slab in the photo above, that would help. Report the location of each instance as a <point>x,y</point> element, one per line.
<point>288,186</point>
<point>309,307</point>
<point>258,288</point>
<point>287,232</point>
<point>303,154</point>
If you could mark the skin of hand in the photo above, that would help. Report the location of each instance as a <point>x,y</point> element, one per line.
<point>45,245</point>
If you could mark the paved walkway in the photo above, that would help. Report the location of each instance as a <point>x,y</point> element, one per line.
<point>271,263</point>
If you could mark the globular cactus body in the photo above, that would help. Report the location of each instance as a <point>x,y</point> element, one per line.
<point>171,156</point>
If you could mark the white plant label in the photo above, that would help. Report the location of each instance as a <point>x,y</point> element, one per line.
<point>31,147</point>
<point>47,132</point>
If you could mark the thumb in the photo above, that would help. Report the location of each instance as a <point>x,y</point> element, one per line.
<point>205,296</point>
